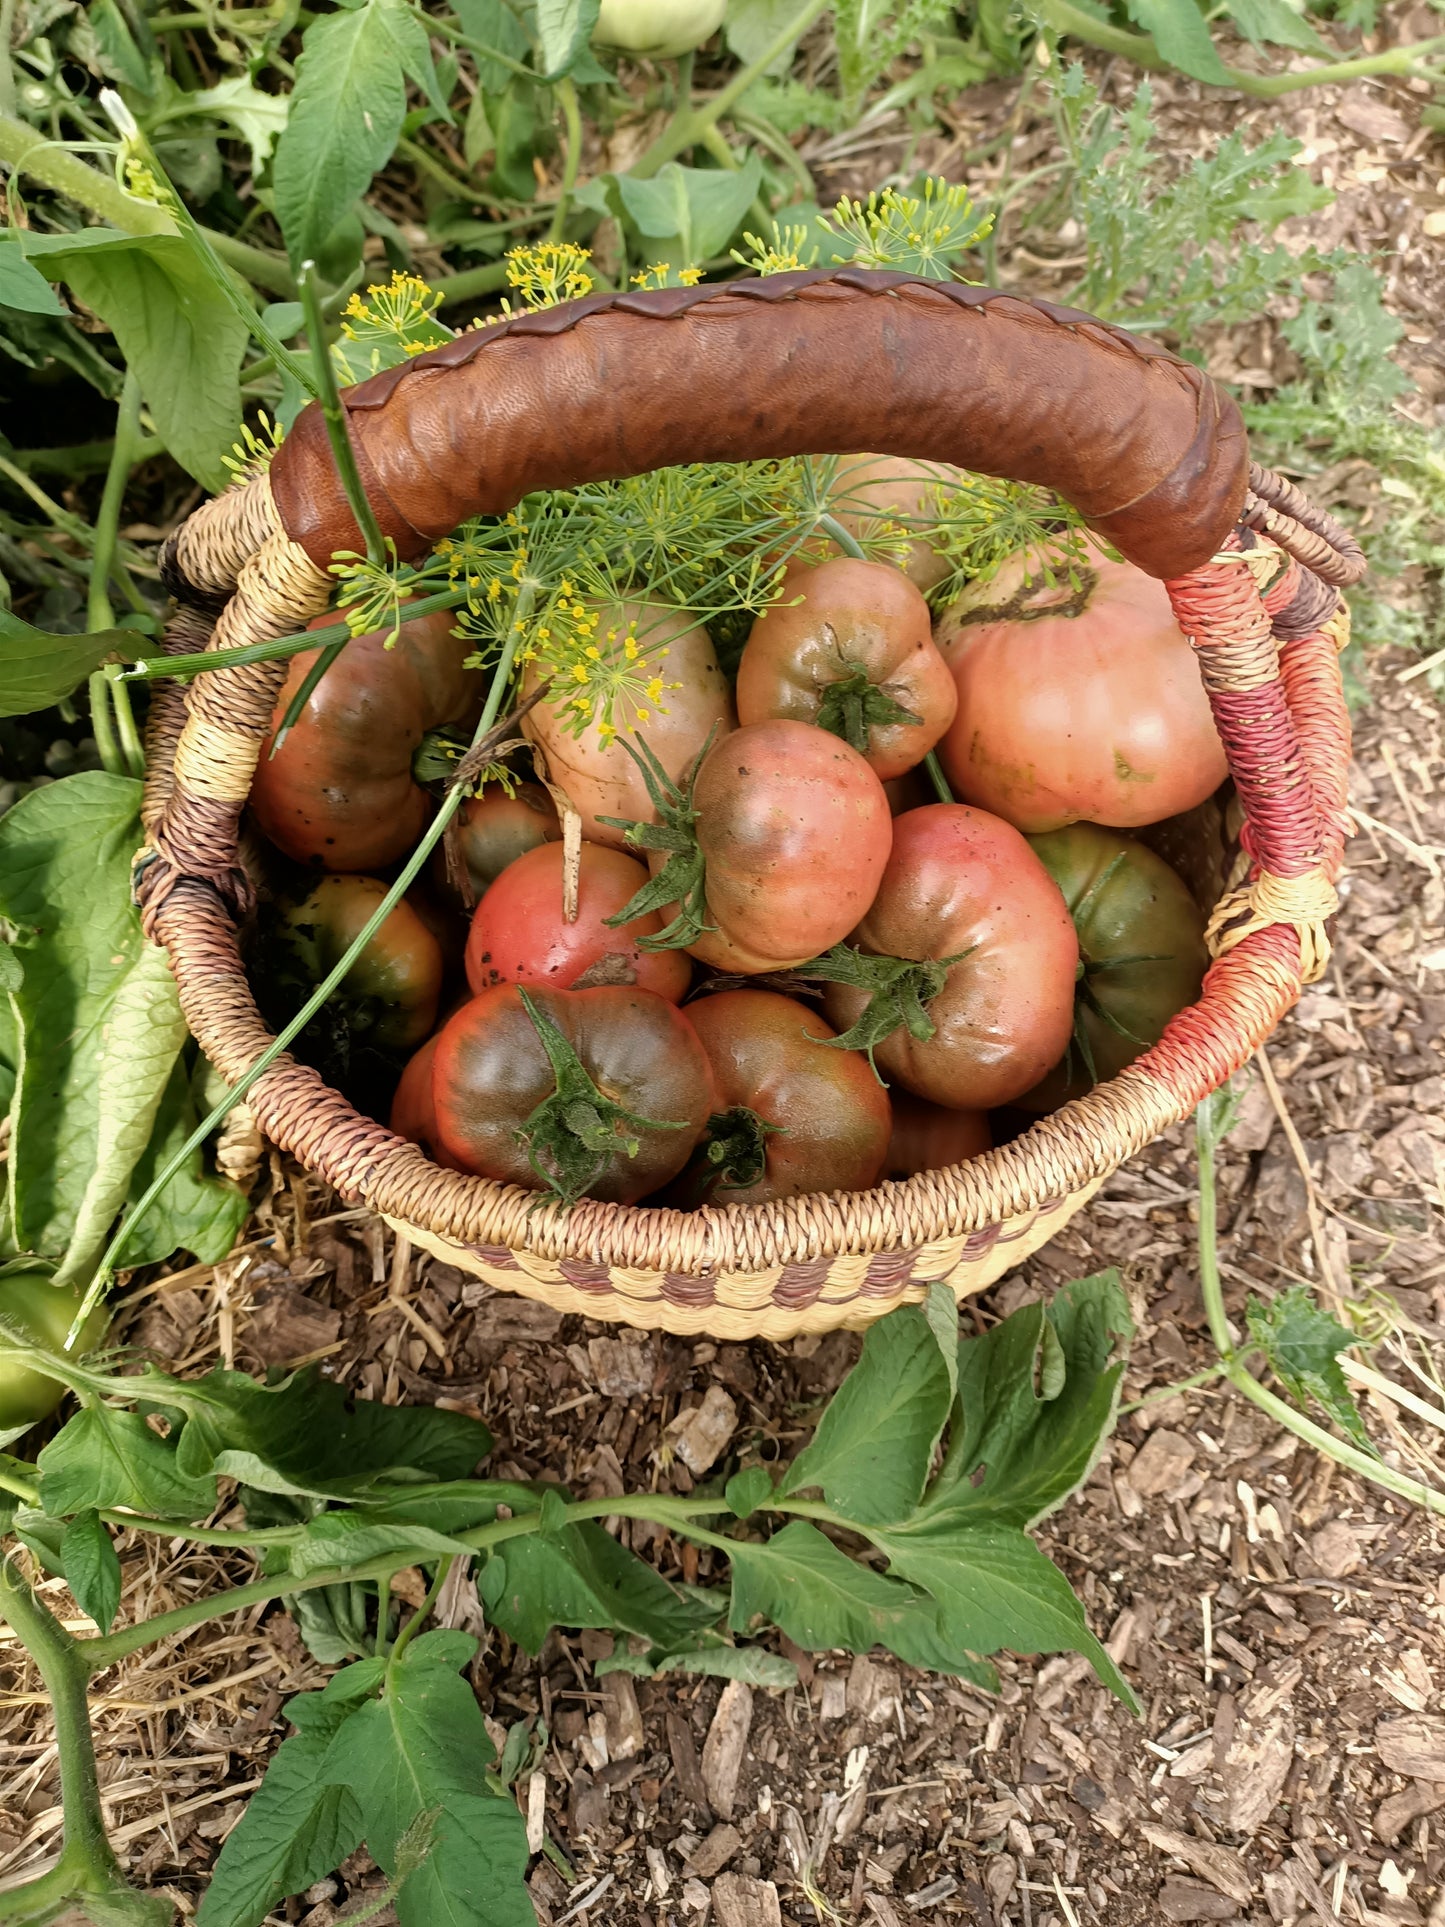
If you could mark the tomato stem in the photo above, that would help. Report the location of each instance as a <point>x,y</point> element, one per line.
<point>338,431</point>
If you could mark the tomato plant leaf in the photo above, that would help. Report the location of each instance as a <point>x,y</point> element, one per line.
<point>1274,22</point>
<point>105,1458</point>
<point>179,335</point>
<point>582,1577</point>
<point>258,117</point>
<point>716,1659</point>
<point>296,1829</point>
<point>350,1539</point>
<point>995,1589</point>
<point>422,1748</point>
<point>1037,1396</point>
<point>493,24</point>
<point>1181,35</point>
<point>1303,1344</point>
<point>804,1584</point>
<point>347,109</point>
<point>690,212</point>
<point>25,287</point>
<point>37,667</point>
<point>310,1435</point>
<point>871,1450</point>
<point>563,28</point>
<point>747,1490</point>
<point>198,1211</point>
<point>92,1569</point>
<point>100,1023</point>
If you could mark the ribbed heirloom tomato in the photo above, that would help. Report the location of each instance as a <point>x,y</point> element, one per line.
<point>595,1092</point>
<point>339,793</point>
<point>520,935</point>
<point>388,999</point>
<point>793,1114</point>
<point>963,884</point>
<point>780,851</point>
<point>492,830</point>
<point>929,1137</point>
<point>849,645</point>
<point>1141,952</point>
<point>1076,706</point>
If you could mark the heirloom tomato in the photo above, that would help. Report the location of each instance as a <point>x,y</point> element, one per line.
<point>413,1112</point>
<point>492,830</point>
<point>849,646</point>
<point>870,492</point>
<point>1076,703</point>
<point>34,1308</point>
<point>602,1093</point>
<point>1141,951</point>
<point>657,29</point>
<point>673,657</point>
<point>778,853</point>
<point>520,935</point>
<point>339,793</point>
<point>965,894</point>
<point>929,1137</point>
<point>793,1115</point>
<point>388,999</point>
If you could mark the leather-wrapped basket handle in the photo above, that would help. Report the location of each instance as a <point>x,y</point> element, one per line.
<point>1144,445</point>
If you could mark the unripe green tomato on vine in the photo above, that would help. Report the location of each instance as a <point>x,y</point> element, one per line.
<point>657,29</point>
<point>35,1308</point>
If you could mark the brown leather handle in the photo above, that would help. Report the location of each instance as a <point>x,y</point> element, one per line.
<point>816,362</point>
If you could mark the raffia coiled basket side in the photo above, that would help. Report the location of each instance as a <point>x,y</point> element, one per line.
<point>1142,443</point>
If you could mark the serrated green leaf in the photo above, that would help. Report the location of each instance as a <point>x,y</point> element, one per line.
<point>871,1450</point>
<point>582,1577</point>
<point>753,1664</point>
<point>1037,1397</point>
<point>347,108</point>
<point>802,1583</point>
<point>197,1211</point>
<point>422,1748</point>
<point>564,28</point>
<point>1274,23</point>
<point>1181,35</point>
<point>92,1569</point>
<point>351,1539</point>
<point>259,118</point>
<point>99,1017</point>
<point>25,288</point>
<point>1303,1344</point>
<point>105,1458</point>
<point>177,332</point>
<point>295,1829</point>
<point>745,1491</point>
<point>492,23</point>
<point>37,667</point>
<point>940,1308</point>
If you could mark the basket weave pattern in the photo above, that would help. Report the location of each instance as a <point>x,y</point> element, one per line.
<point>1266,622</point>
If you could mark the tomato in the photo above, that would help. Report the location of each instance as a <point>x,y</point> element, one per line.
<point>792,832</point>
<point>605,1094</point>
<point>856,656</point>
<point>413,1112</point>
<point>793,1114</point>
<point>37,1309</point>
<point>657,29</point>
<point>493,830</point>
<point>599,777</point>
<point>1077,706</point>
<point>1141,945</point>
<point>963,884</point>
<point>870,491</point>
<point>519,934</point>
<point>387,1001</point>
<point>339,793</point>
<point>928,1137</point>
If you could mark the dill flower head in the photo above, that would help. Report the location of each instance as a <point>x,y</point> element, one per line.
<point>546,272</point>
<point>607,662</point>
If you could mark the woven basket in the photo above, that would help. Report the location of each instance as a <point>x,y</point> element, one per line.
<point>1141,443</point>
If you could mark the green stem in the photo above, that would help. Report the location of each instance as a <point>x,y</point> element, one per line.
<point>181,667</point>
<point>1190,1384</point>
<point>780,146</point>
<point>451,803</point>
<point>1143,50</point>
<point>130,743</point>
<point>99,614</point>
<point>7,69</point>
<point>57,516</point>
<point>830,526</point>
<point>936,776</point>
<point>30,1494</point>
<point>337,430</point>
<point>89,1863</point>
<point>418,1619</point>
<point>102,727</point>
<point>436,23</point>
<point>688,126</point>
<point>572,117</point>
<point>30,152</point>
<point>421,156</point>
<point>470,284</point>
<point>82,458</point>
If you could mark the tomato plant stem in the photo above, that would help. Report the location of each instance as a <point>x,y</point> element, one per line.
<point>102,726</point>
<point>99,614</point>
<point>572,119</point>
<point>87,1863</point>
<point>143,669</point>
<point>937,778</point>
<point>338,431</point>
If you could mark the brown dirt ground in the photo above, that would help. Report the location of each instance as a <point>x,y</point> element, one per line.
<point>1280,1621</point>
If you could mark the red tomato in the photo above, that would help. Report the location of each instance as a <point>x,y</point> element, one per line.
<point>617,1121</point>
<point>793,1115</point>
<point>926,1137</point>
<point>413,1114</point>
<point>519,934</point>
<point>794,830</point>
<point>387,1001</point>
<point>856,656</point>
<point>339,792</point>
<point>597,773</point>
<point>493,830</point>
<point>1095,711</point>
<point>961,883</point>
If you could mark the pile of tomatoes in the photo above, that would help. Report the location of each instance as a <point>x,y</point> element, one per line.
<point>781,962</point>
